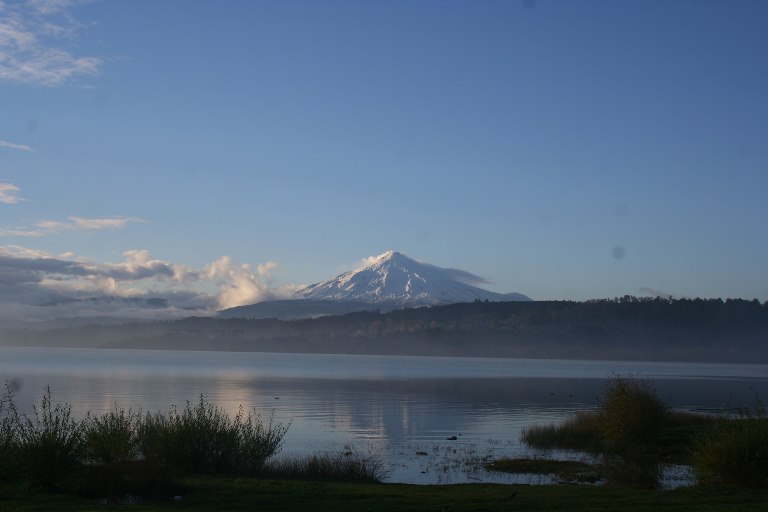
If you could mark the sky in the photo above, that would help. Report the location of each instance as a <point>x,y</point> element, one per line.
<point>223,153</point>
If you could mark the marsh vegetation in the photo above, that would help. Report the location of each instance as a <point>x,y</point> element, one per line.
<point>632,433</point>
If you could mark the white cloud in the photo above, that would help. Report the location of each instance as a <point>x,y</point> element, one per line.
<point>32,278</point>
<point>9,194</point>
<point>54,227</point>
<point>238,285</point>
<point>33,37</point>
<point>12,145</point>
<point>30,233</point>
<point>50,6</point>
<point>81,223</point>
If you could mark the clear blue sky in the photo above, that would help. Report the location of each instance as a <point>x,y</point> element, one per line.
<point>561,149</point>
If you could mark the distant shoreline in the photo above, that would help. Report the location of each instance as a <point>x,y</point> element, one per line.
<point>711,330</point>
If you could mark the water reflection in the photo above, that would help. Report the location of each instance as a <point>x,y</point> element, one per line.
<point>400,406</point>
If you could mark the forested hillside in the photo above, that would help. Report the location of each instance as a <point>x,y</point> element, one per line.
<point>623,328</point>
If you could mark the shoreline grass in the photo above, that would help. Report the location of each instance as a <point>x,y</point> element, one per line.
<point>122,451</point>
<point>634,432</point>
<point>568,471</point>
<point>125,454</point>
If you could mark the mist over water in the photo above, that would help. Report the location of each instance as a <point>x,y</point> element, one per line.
<point>397,406</point>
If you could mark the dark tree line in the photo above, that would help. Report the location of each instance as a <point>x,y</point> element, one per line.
<point>620,328</point>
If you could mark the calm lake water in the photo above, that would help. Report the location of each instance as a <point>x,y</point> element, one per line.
<point>389,405</point>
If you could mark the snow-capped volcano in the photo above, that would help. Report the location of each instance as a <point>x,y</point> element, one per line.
<point>392,277</point>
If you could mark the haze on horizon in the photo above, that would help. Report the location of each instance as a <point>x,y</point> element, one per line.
<point>216,154</point>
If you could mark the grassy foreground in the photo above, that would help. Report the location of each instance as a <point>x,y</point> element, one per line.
<point>280,495</point>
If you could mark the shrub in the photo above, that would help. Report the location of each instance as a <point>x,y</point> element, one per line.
<point>9,442</point>
<point>112,437</point>
<point>630,414</point>
<point>49,444</point>
<point>734,453</point>
<point>203,439</point>
<point>257,441</point>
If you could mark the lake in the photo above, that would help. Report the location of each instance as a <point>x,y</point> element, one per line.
<point>394,406</point>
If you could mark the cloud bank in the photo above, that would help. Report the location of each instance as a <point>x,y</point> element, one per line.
<point>34,35</point>
<point>40,285</point>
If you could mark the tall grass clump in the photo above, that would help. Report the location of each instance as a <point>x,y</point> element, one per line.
<point>113,437</point>
<point>203,439</point>
<point>346,466</point>
<point>9,443</point>
<point>579,432</point>
<point>49,443</point>
<point>625,429</point>
<point>734,452</point>
<point>628,418</point>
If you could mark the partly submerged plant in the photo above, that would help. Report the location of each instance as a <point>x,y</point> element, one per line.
<point>349,465</point>
<point>630,414</point>
<point>735,452</point>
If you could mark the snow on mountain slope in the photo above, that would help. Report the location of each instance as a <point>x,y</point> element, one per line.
<point>393,277</point>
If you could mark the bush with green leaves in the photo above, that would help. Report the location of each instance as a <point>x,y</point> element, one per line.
<point>630,415</point>
<point>50,443</point>
<point>113,437</point>
<point>203,439</point>
<point>258,440</point>
<point>9,443</point>
<point>734,452</point>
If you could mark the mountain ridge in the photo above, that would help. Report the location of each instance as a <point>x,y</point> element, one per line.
<point>392,277</point>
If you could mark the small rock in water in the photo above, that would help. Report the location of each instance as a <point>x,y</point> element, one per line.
<point>452,438</point>
<point>422,453</point>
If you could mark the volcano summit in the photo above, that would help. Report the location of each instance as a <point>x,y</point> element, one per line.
<point>396,279</point>
<point>385,282</point>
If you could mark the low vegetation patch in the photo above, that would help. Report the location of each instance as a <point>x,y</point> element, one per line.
<point>345,466</point>
<point>203,439</point>
<point>565,470</point>
<point>123,451</point>
<point>734,453</point>
<point>48,445</point>
<point>631,422</point>
<point>579,432</point>
<point>634,432</point>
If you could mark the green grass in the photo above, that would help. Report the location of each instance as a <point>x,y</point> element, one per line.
<point>634,432</point>
<point>565,470</point>
<point>579,432</point>
<point>280,495</point>
<point>630,422</point>
<point>734,452</point>
<point>345,466</point>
